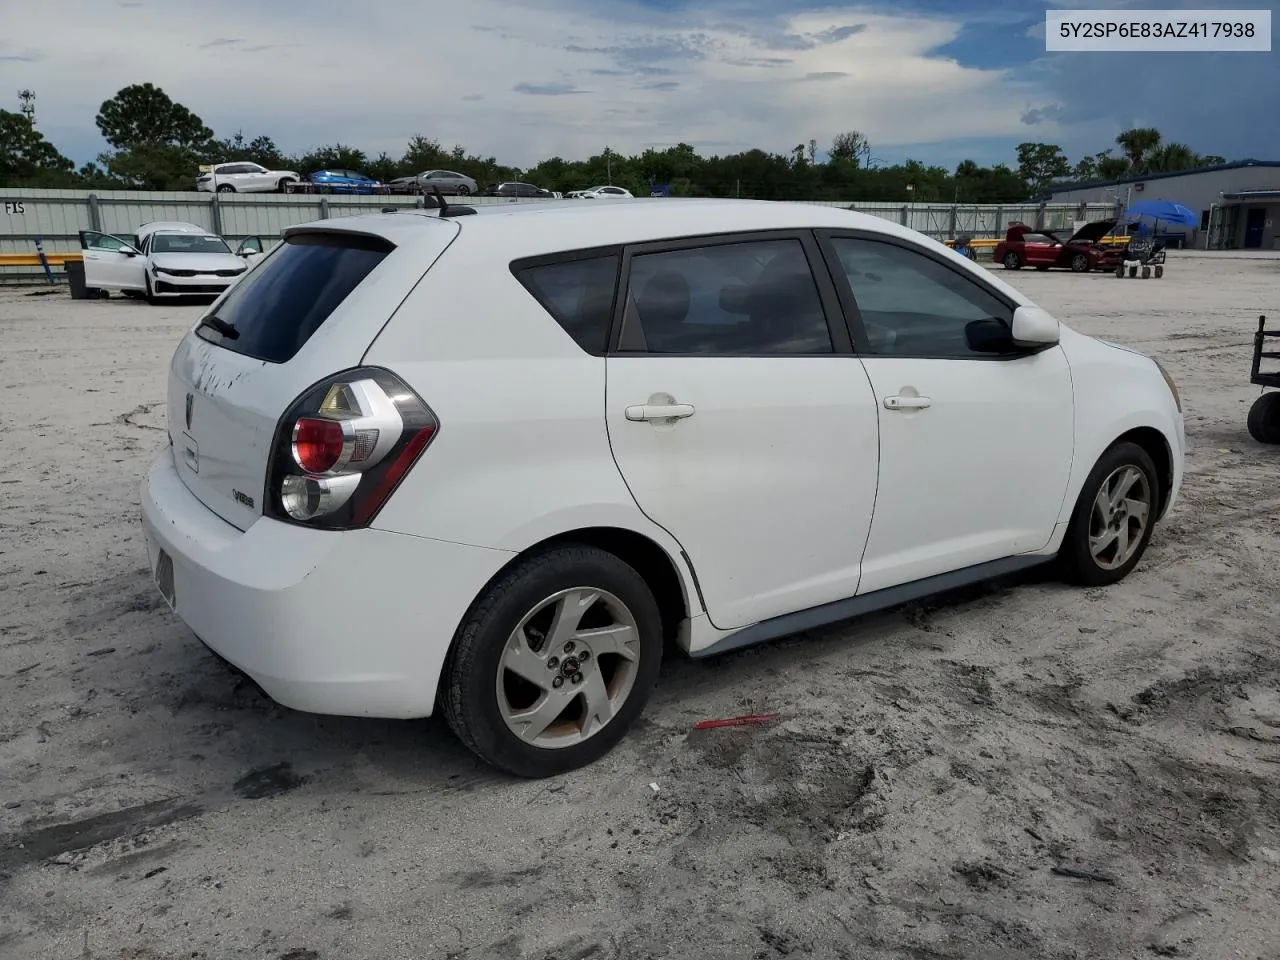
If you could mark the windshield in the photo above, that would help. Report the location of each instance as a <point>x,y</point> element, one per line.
<point>187,243</point>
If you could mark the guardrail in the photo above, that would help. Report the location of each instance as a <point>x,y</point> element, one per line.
<point>33,259</point>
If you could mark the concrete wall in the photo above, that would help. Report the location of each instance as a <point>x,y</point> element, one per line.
<point>56,216</point>
<point>1199,191</point>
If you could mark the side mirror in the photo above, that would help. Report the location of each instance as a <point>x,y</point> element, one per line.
<point>1034,327</point>
<point>130,252</point>
<point>988,336</point>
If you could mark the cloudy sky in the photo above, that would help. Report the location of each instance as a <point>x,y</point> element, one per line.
<point>935,80</point>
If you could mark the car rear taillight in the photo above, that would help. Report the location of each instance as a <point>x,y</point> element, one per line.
<point>344,446</point>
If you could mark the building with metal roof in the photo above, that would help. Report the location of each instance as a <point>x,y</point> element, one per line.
<point>1239,203</point>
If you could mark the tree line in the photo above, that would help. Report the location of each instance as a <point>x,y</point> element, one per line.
<point>159,144</point>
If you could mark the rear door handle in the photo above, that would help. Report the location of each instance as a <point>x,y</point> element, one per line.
<point>907,403</point>
<point>654,411</point>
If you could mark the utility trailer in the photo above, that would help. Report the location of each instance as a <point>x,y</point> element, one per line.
<point>1264,415</point>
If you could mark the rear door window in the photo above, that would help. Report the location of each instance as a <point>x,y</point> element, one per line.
<point>278,306</point>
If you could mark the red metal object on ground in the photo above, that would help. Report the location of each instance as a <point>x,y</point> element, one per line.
<point>735,721</point>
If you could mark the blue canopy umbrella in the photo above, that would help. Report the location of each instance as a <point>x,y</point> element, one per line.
<point>1159,210</point>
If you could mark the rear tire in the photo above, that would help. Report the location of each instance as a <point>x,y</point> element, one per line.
<point>1012,261</point>
<point>1113,518</point>
<point>503,675</point>
<point>464,190</point>
<point>1264,419</point>
<point>1159,271</point>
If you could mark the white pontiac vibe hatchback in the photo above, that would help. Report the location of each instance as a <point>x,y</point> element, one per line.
<point>488,464</point>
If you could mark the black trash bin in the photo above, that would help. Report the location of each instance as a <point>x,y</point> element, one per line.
<point>75,280</point>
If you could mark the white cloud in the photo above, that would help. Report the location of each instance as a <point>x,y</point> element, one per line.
<point>518,80</point>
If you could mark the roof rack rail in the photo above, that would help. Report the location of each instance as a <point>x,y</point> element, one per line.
<point>447,210</point>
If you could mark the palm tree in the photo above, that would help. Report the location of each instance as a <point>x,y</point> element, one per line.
<point>1137,144</point>
<point>1172,157</point>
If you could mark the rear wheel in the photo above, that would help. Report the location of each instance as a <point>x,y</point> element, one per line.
<point>1264,418</point>
<point>1012,261</point>
<point>463,190</point>
<point>1113,518</point>
<point>554,662</point>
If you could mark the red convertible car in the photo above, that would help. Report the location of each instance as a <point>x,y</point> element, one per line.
<point>1081,252</point>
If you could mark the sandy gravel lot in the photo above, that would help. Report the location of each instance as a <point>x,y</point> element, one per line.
<point>931,770</point>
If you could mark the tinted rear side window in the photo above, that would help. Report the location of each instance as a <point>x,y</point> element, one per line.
<point>578,294</point>
<point>277,308</point>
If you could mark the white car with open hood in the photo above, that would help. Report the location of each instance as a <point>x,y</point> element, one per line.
<point>487,465</point>
<point>164,260</point>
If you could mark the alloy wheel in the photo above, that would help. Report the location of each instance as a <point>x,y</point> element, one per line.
<point>1118,521</point>
<point>568,667</point>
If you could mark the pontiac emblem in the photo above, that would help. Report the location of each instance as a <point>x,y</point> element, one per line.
<point>190,400</point>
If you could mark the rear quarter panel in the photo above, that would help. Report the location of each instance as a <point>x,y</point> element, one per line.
<point>522,453</point>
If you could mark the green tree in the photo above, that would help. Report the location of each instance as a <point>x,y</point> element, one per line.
<point>1040,164</point>
<point>1171,157</point>
<point>261,150</point>
<point>383,167</point>
<point>144,114</point>
<point>1137,144</point>
<point>338,156</point>
<point>850,147</point>
<point>27,159</point>
<point>152,166</point>
<point>1112,168</point>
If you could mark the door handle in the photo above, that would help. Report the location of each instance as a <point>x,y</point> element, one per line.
<point>907,403</point>
<point>659,411</point>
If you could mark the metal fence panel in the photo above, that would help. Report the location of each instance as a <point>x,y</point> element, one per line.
<point>56,216</point>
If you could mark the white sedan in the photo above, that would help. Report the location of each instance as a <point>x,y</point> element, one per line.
<point>488,464</point>
<point>163,260</point>
<point>603,193</point>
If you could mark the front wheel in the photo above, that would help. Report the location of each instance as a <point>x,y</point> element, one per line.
<point>1113,519</point>
<point>1264,418</point>
<point>553,662</point>
<point>148,294</point>
<point>226,188</point>
<point>1012,261</point>
<point>1080,263</point>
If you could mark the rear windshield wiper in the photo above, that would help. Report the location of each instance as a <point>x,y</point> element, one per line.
<point>224,328</point>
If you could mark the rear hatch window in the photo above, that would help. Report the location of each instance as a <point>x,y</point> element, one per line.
<point>274,310</point>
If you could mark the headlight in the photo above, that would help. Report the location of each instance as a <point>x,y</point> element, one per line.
<point>1173,387</point>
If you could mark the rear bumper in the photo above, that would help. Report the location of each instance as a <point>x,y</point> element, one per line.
<point>353,624</point>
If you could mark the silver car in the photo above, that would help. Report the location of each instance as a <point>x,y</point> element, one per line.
<point>429,180</point>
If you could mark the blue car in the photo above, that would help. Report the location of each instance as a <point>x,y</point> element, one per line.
<point>344,181</point>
